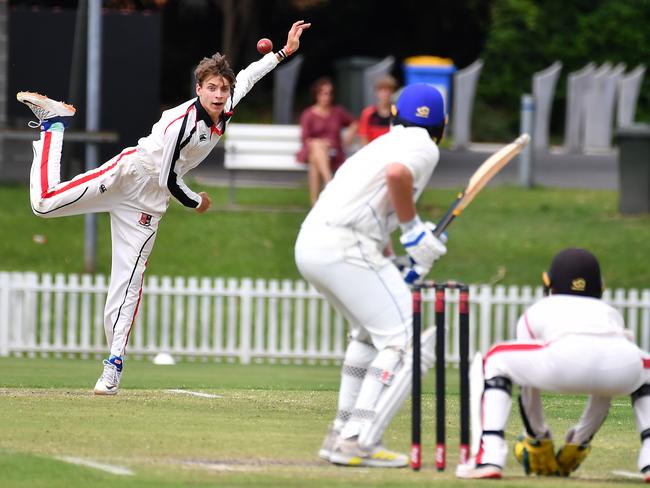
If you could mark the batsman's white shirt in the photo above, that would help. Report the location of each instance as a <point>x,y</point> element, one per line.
<point>340,244</point>
<point>135,187</point>
<point>357,197</point>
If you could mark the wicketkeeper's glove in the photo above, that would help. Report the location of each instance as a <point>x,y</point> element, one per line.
<point>423,248</point>
<point>537,456</point>
<point>571,456</point>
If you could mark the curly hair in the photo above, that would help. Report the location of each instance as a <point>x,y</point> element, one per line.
<point>318,84</point>
<point>217,64</point>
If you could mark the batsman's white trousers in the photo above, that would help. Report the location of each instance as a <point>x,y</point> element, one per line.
<point>349,269</point>
<point>135,203</point>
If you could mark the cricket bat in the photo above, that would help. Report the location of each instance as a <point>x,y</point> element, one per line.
<point>490,167</point>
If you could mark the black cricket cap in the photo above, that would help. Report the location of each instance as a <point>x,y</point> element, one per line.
<point>574,271</point>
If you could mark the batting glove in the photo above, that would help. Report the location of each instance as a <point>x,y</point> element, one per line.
<point>571,456</point>
<point>537,456</point>
<point>422,247</point>
<point>403,262</point>
<point>444,237</point>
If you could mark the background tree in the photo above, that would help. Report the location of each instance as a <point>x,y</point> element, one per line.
<point>526,36</point>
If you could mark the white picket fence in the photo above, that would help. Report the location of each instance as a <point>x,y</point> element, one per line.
<point>246,320</point>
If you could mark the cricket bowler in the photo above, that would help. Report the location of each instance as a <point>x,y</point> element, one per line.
<point>135,186</point>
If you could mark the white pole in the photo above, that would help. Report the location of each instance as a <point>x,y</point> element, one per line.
<point>526,127</point>
<point>93,108</point>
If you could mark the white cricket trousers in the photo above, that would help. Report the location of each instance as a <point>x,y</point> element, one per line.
<point>601,366</point>
<point>135,203</point>
<point>349,269</point>
<point>351,272</point>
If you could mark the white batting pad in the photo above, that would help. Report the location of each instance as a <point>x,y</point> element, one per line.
<point>476,387</point>
<point>393,397</point>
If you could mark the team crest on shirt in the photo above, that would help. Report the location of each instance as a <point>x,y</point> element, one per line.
<point>578,284</point>
<point>145,220</point>
<point>422,111</point>
<point>203,138</point>
<point>102,189</point>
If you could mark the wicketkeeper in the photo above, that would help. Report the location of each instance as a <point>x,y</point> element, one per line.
<point>340,251</point>
<point>135,186</point>
<point>569,342</point>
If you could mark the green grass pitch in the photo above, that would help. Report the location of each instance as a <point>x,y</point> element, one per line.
<point>507,235</point>
<point>264,429</point>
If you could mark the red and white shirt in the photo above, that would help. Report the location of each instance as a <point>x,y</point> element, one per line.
<point>185,135</point>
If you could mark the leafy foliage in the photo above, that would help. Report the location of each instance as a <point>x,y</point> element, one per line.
<point>526,36</point>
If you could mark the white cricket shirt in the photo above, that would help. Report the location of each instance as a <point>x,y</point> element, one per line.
<point>185,135</point>
<point>556,316</point>
<point>357,197</point>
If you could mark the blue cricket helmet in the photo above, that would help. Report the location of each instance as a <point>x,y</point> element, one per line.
<point>422,105</point>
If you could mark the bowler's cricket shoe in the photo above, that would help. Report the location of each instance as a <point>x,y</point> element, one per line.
<point>109,382</point>
<point>47,111</point>
<point>348,452</point>
<point>472,471</point>
<point>646,474</point>
<point>326,448</point>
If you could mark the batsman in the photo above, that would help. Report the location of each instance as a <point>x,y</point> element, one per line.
<point>342,250</point>
<point>568,342</point>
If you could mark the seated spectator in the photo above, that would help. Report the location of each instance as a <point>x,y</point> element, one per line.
<point>375,119</point>
<point>322,144</point>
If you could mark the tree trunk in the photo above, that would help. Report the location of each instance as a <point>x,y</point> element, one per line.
<point>236,21</point>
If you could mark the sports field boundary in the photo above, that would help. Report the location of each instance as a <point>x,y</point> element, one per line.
<point>244,320</point>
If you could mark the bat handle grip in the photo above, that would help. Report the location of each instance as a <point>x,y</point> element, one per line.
<point>448,218</point>
<point>443,223</point>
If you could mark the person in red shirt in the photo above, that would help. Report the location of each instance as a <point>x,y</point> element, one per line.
<point>375,119</point>
<point>322,143</point>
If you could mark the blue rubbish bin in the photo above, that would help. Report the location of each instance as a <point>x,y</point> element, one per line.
<point>436,71</point>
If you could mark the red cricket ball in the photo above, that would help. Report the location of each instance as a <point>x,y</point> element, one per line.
<point>264,46</point>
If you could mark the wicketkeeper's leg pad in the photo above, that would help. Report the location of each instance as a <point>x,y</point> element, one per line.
<point>641,404</point>
<point>476,388</point>
<point>496,403</point>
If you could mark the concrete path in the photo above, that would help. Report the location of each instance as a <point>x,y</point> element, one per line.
<point>554,169</point>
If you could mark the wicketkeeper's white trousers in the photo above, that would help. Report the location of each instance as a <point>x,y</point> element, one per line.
<point>135,203</point>
<point>600,366</point>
